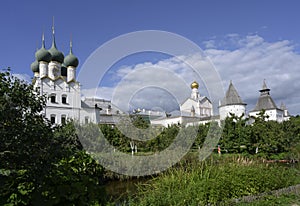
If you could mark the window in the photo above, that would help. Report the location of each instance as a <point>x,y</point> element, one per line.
<point>63,119</point>
<point>52,118</point>
<point>86,120</point>
<point>52,98</point>
<point>64,99</point>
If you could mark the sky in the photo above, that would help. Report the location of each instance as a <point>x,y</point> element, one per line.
<point>247,42</point>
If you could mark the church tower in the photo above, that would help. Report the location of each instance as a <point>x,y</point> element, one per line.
<point>265,102</point>
<point>196,105</point>
<point>195,93</point>
<point>231,104</point>
<point>55,77</point>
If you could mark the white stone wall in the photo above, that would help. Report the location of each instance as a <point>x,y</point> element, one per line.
<point>167,121</point>
<point>71,74</point>
<point>225,111</point>
<point>274,114</point>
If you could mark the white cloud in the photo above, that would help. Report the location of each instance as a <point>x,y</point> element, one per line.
<point>209,44</point>
<point>244,60</point>
<point>255,60</point>
<point>24,77</point>
<point>164,84</point>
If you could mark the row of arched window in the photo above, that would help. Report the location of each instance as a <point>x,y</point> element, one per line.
<point>53,99</point>
<point>53,119</point>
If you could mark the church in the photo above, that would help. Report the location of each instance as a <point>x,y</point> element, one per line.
<point>55,77</point>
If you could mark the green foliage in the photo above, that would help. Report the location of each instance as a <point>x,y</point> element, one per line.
<point>41,164</point>
<point>269,138</point>
<point>157,143</point>
<point>201,135</point>
<point>213,182</point>
<point>75,179</point>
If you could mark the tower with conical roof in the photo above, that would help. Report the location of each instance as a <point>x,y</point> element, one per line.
<point>266,103</point>
<point>231,104</point>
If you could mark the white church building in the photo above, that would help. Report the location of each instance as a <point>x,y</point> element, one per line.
<point>55,77</point>
<point>193,110</point>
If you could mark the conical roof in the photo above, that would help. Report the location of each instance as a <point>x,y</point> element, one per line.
<point>265,101</point>
<point>232,97</point>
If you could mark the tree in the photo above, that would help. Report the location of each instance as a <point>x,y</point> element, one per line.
<point>235,134</point>
<point>35,156</point>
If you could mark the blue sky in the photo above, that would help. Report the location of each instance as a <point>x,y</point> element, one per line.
<point>223,29</point>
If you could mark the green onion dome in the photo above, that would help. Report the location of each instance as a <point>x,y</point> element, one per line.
<point>56,55</point>
<point>63,70</point>
<point>42,54</point>
<point>35,66</point>
<point>71,59</point>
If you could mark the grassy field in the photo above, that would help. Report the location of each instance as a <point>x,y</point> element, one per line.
<point>217,181</point>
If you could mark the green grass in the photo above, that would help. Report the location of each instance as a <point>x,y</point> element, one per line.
<point>215,181</point>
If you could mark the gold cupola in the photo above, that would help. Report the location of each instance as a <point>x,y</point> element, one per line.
<point>195,85</point>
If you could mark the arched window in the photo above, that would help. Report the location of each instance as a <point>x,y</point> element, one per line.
<point>86,120</point>
<point>64,99</point>
<point>63,119</point>
<point>52,118</point>
<point>53,98</point>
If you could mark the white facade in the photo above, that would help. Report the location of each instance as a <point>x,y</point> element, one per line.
<point>237,110</point>
<point>272,114</point>
<point>196,105</point>
<point>194,110</point>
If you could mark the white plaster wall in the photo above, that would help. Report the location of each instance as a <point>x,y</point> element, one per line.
<point>43,66</point>
<point>167,121</point>
<point>238,110</point>
<point>71,73</point>
<point>274,114</point>
<point>52,65</point>
<point>59,88</point>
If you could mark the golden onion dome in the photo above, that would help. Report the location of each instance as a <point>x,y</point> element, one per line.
<point>194,85</point>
